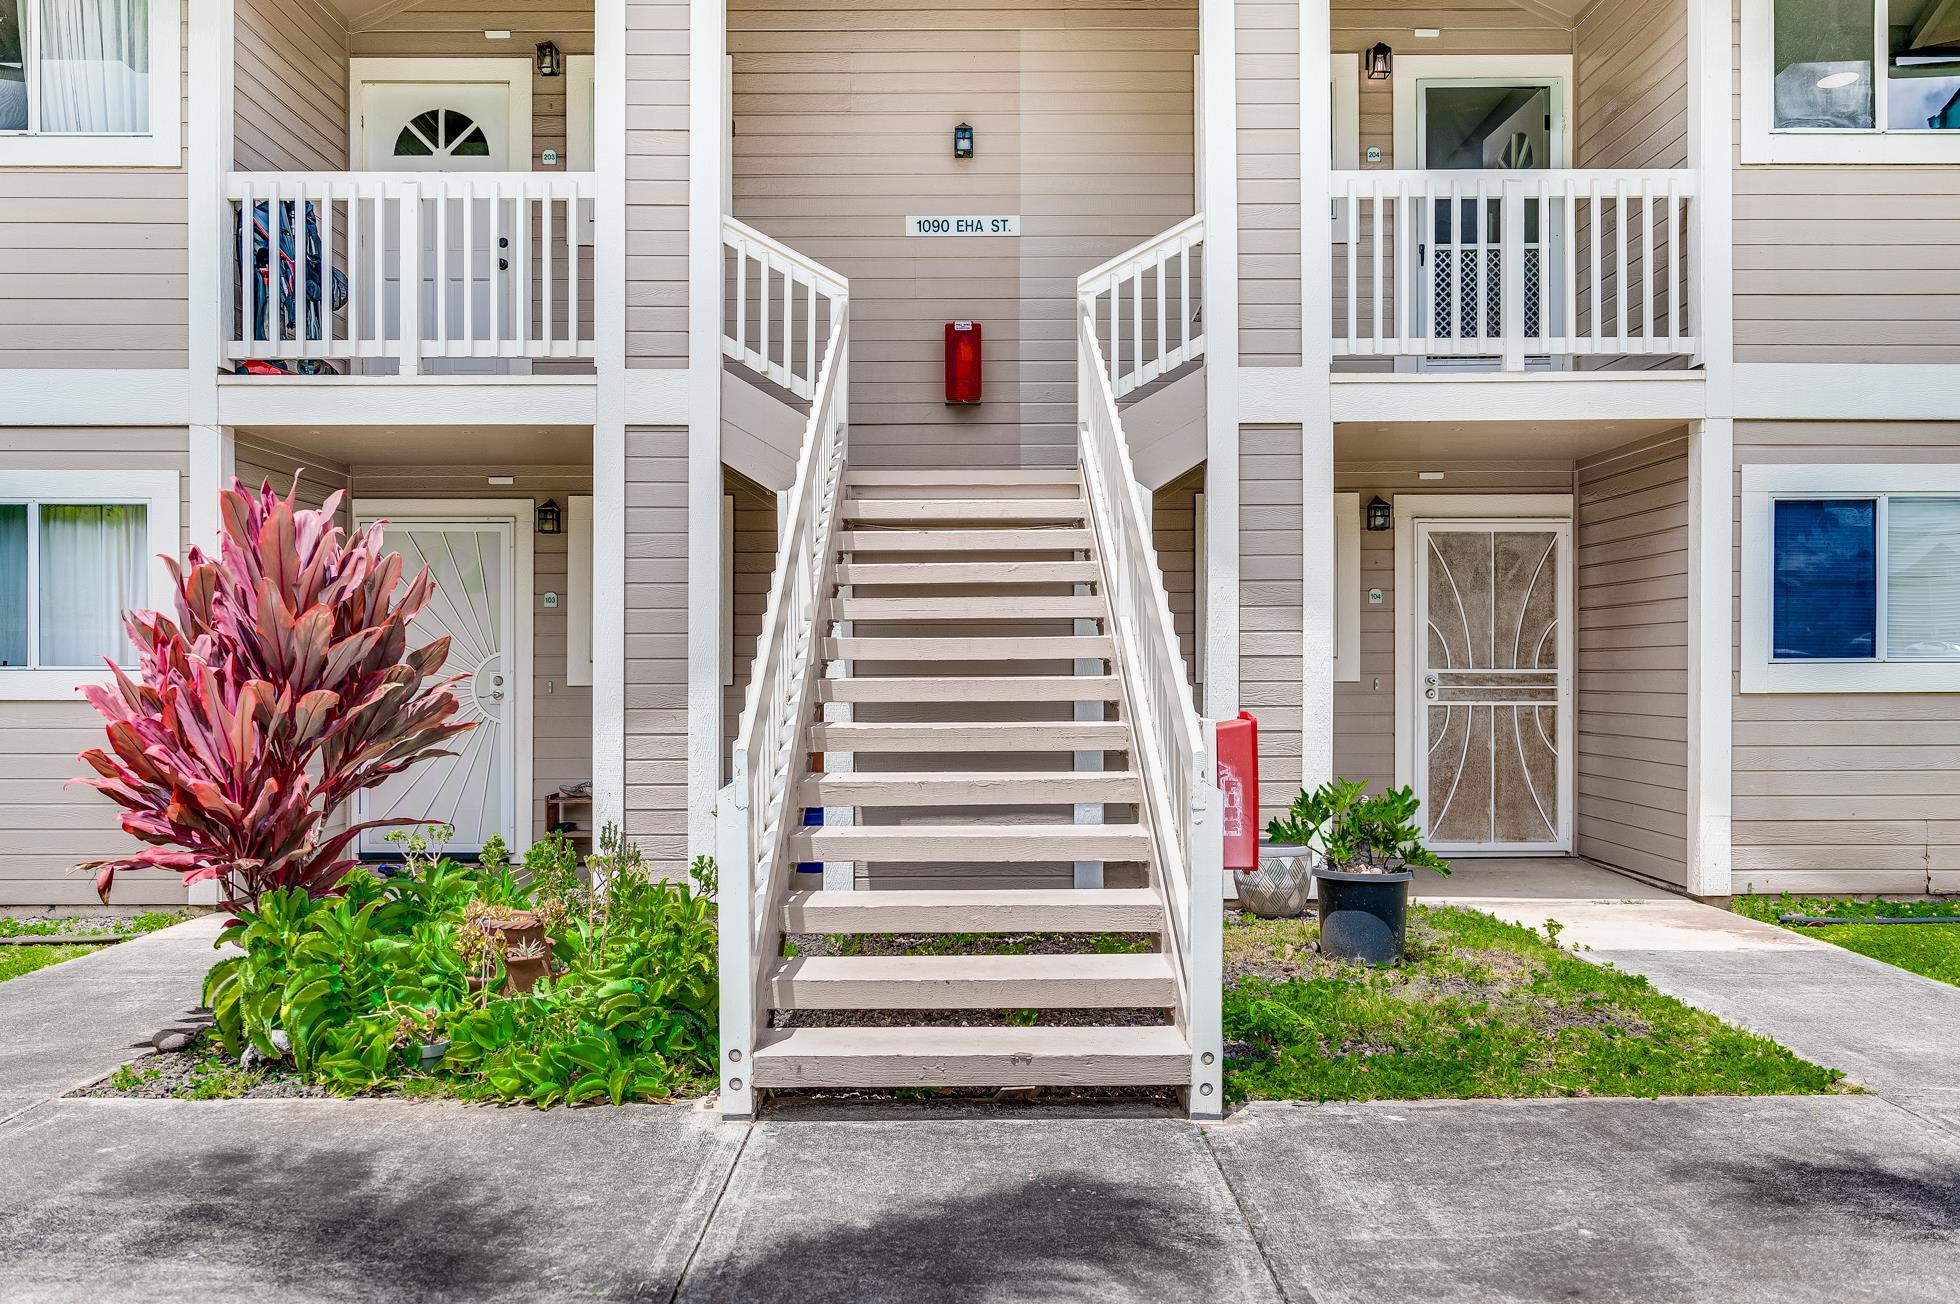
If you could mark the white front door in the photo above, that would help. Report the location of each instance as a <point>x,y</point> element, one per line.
<point>1488,124</point>
<point>474,568</point>
<point>408,121</point>
<point>1493,685</point>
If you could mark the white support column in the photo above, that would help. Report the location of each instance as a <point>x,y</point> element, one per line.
<point>706,156</point>
<point>1711,453</point>
<point>609,416</point>
<point>1317,580</point>
<point>1218,43</point>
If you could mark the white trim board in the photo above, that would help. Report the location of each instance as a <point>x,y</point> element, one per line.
<point>1764,482</point>
<point>95,396</point>
<point>514,73</point>
<point>159,492</point>
<point>522,515</point>
<point>1283,395</point>
<point>1847,391</point>
<point>1410,508</point>
<point>1411,70</point>
<point>389,401</point>
<point>162,146</point>
<point>1760,143</point>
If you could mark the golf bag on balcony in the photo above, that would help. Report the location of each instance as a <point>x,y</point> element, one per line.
<point>317,307</point>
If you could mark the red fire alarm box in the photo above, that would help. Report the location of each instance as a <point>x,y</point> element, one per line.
<point>1238,778</point>
<point>962,362</point>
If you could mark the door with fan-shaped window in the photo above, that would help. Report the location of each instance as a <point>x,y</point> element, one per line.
<point>447,126</point>
<point>473,790</point>
<point>1493,685</point>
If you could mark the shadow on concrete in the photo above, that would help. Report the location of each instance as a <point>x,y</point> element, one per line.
<point>1922,1205</point>
<point>289,1223</point>
<point>1068,1234</point>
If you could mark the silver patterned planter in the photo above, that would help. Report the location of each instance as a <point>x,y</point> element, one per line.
<point>1282,885</point>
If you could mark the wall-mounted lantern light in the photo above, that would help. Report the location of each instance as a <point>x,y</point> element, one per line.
<point>550,519</point>
<point>550,62</point>
<point>1381,61</point>
<point>963,141</point>
<point>1380,514</point>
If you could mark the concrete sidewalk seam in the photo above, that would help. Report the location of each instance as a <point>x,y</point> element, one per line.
<point>694,1251</point>
<point>1251,1231</point>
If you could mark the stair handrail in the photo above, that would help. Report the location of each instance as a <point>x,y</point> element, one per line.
<point>1175,313</point>
<point>805,282</point>
<point>753,810</point>
<point>1175,747</point>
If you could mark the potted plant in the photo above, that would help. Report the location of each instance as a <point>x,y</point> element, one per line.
<point>1282,884</point>
<point>1369,849</point>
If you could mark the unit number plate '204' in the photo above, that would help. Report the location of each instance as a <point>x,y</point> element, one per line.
<point>963,226</point>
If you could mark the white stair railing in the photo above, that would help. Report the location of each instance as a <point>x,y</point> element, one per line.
<point>754,816</point>
<point>1512,264</point>
<point>781,305</point>
<point>1175,747</point>
<point>499,263</point>
<point>1155,292</point>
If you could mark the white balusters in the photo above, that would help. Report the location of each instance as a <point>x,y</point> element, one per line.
<point>431,265</point>
<point>1153,326</point>
<point>1512,265</point>
<point>780,300</point>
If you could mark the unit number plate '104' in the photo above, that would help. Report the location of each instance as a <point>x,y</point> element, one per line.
<point>963,226</point>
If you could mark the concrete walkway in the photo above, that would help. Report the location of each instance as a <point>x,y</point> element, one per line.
<point>1763,1199</point>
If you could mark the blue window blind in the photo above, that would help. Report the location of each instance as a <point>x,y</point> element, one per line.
<point>1826,579</point>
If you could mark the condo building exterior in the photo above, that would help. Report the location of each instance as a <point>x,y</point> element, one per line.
<point>873,442</point>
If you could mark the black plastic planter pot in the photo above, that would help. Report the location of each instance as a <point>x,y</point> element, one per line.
<point>1363,916</point>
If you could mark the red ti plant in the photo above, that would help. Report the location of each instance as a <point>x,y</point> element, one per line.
<point>284,686</point>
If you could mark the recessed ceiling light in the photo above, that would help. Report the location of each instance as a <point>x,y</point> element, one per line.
<point>502,479</point>
<point>1429,475</point>
<point>497,34</point>
<point>1837,81</point>
<point>1429,33</point>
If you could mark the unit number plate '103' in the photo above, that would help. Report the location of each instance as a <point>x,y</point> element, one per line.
<point>963,226</point>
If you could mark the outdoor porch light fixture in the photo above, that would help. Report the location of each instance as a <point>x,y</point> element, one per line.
<point>1380,515</point>
<point>550,64</point>
<point>1380,61</point>
<point>963,141</point>
<point>550,519</point>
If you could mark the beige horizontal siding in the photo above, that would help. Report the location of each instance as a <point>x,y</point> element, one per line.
<point>656,642</point>
<point>1632,527</point>
<point>1853,792</point>
<point>1173,529</point>
<point>656,183</point>
<point>289,87</point>
<point>1268,70</point>
<point>1270,588</point>
<point>1082,118</point>
<point>755,564</point>
<point>47,828</point>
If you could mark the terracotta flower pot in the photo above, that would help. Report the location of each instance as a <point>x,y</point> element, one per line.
<point>1282,885</point>
<point>520,938</point>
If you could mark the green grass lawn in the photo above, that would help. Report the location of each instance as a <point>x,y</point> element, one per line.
<point>1929,949</point>
<point>17,960</point>
<point>1480,1008</point>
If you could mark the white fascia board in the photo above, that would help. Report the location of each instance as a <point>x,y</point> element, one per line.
<point>406,400</point>
<point>1279,395</point>
<point>1871,391</point>
<point>85,396</point>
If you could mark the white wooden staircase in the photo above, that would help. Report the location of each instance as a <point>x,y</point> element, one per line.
<point>974,676</point>
<point>976,749</point>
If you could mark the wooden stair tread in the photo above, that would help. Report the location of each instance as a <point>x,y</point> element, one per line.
<point>977,688</point>
<point>959,788</point>
<point>969,572</point>
<point>976,1057</point>
<point>1014,910</point>
<point>972,982</point>
<point>1046,736</point>
<point>976,607</point>
<point>1050,539</point>
<point>1062,647</point>
<point>961,509</point>
<point>963,478</point>
<point>971,844</point>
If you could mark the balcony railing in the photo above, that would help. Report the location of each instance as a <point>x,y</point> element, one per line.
<point>499,267</point>
<point>1513,265</point>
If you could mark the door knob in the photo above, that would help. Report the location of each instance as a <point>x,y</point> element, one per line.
<point>498,696</point>
<point>1429,693</point>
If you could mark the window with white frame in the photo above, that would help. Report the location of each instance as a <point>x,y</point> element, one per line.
<point>1851,80</point>
<point>89,82</point>
<point>77,550</point>
<point>1850,588</point>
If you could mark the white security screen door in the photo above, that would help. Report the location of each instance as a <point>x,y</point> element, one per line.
<point>1479,125</point>
<point>1494,685</point>
<point>443,126</point>
<point>472,565</point>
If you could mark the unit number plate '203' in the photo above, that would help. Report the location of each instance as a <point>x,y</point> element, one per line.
<point>963,226</point>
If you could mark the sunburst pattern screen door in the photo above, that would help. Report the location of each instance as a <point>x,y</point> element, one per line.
<point>472,566</point>
<point>1494,685</point>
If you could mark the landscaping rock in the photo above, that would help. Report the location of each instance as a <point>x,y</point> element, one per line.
<point>173,1039</point>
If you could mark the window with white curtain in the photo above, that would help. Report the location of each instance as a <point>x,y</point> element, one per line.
<point>68,571</point>
<point>89,81</point>
<point>1849,588</point>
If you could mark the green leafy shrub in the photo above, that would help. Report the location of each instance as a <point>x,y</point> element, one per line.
<point>350,987</point>
<point>1355,832</point>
